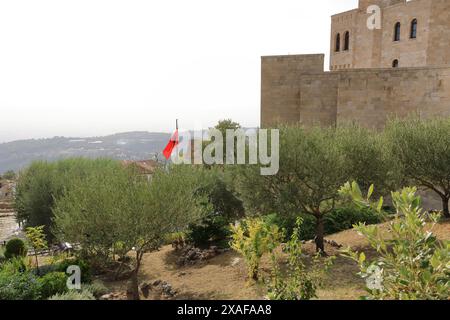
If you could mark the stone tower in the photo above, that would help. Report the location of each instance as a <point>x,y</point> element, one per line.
<point>412,34</point>
<point>400,68</point>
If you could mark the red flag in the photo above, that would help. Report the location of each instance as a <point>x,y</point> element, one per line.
<point>171,145</point>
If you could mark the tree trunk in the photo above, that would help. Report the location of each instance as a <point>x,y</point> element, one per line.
<point>320,246</point>
<point>134,278</point>
<point>445,208</point>
<point>37,263</point>
<point>135,285</point>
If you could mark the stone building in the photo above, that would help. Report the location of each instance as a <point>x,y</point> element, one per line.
<point>398,67</point>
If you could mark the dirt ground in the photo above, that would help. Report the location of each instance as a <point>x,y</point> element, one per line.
<point>224,276</point>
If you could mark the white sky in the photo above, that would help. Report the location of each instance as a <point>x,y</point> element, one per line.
<point>96,67</point>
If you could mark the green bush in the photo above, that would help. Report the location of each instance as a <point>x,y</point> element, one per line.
<point>212,230</point>
<point>344,218</point>
<point>74,295</point>
<point>42,183</point>
<point>412,264</point>
<point>15,265</point>
<point>15,248</point>
<point>52,283</point>
<point>8,175</point>
<point>175,237</point>
<point>252,238</point>
<point>295,280</point>
<point>98,289</point>
<point>18,286</point>
<point>338,220</point>
<point>226,209</point>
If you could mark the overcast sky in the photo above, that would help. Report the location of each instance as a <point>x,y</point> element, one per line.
<point>96,67</point>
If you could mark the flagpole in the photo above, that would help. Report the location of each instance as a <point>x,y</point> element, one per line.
<point>178,137</point>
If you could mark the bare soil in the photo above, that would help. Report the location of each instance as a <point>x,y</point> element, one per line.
<point>224,276</point>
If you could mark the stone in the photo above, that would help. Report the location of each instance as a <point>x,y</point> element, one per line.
<point>362,86</point>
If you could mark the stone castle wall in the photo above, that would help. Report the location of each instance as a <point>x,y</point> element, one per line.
<point>295,89</point>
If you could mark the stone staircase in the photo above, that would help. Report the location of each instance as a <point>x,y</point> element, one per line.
<point>8,224</point>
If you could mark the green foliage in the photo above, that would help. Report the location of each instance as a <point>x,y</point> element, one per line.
<point>15,248</point>
<point>52,283</point>
<point>97,289</point>
<point>412,264</point>
<point>226,124</point>
<point>43,182</point>
<point>314,163</point>
<point>36,237</point>
<point>15,265</point>
<point>119,207</point>
<point>252,238</point>
<point>8,175</point>
<point>298,282</point>
<point>175,237</point>
<point>422,150</point>
<point>344,218</point>
<point>339,219</point>
<point>225,209</point>
<point>18,284</point>
<point>214,229</point>
<point>74,295</point>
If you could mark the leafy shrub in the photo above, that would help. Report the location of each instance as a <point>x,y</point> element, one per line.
<point>36,238</point>
<point>174,237</point>
<point>298,282</point>
<point>8,175</point>
<point>18,286</point>
<point>226,208</point>
<point>97,288</point>
<point>15,248</point>
<point>74,295</point>
<point>42,183</point>
<point>344,218</point>
<point>412,264</point>
<point>339,219</point>
<point>253,237</point>
<point>53,283</point>
<point>213,229</point>
<point>15,265</point>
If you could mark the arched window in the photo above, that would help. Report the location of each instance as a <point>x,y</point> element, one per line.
<point>338,43</point>
<point>414,29</point>
<point>395,63</point>
<point>397,31</point>
<point>347,41</point>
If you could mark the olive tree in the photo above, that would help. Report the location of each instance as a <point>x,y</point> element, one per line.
<point>422,149</point>
<point>314,163</point>
<point>40,184</point>
<point>122,207</point>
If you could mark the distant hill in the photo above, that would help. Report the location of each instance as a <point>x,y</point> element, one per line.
<point>122,146</point>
